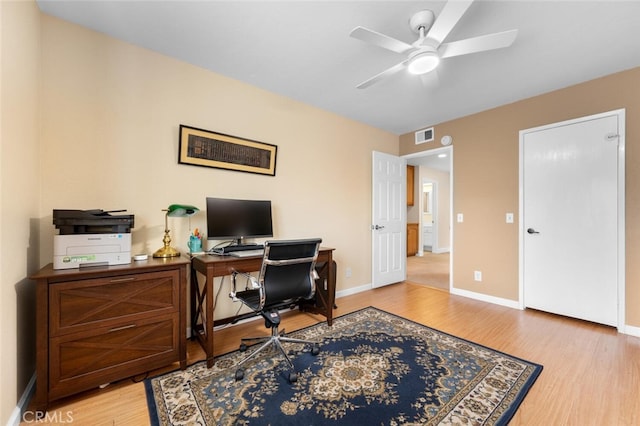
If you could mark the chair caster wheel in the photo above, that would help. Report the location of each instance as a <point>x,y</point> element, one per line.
<point>315,350</point>
<point>243,347</point>
<point>239,375</point>
<point>293,377</point>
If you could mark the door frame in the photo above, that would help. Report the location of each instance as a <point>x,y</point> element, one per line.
<point>449,151</point>
<point>621,287</point>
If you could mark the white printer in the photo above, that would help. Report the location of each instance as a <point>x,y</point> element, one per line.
<point>91,238</point>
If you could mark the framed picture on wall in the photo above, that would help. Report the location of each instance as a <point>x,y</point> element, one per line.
<point>199,147</point>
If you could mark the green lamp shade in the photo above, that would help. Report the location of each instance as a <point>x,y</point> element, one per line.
<point>181,210</point>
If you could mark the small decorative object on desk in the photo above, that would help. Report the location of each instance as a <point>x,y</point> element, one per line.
<point>195,242</point>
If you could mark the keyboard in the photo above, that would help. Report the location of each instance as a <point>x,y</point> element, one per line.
<point>228,250</point>
<point>247,253</point>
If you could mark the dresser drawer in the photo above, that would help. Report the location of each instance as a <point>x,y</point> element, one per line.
<point>77,306</point>
<point>88,359</point>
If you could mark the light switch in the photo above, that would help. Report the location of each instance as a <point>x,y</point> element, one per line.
<point>509,217</point>
<point>460,218</point>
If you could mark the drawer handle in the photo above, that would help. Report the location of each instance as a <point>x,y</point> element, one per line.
<point>122,280</point>
<point>122,328</point>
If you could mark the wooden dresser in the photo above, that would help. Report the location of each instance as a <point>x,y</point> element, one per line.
<point>102,324</point>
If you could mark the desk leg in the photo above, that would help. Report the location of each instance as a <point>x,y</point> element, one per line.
<point>193,303</point>
<point>202,313</point>
<point>331,293</point>
<point>324,301</point>
<point>208,332</point>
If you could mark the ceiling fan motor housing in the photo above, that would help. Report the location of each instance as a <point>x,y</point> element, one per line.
<point>421,19</point>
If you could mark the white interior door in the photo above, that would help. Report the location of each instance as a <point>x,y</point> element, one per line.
<point>571,217</point>
<point>389,217</point>
<point>429,206</point>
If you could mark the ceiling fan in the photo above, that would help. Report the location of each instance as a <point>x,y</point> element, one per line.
<point>424,54</point>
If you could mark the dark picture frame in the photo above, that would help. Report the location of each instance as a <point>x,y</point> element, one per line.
<point>199,147</point>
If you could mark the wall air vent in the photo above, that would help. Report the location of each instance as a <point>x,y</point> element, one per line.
<point>424,135</point>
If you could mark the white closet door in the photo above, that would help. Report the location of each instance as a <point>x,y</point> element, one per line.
<point>570,218</point>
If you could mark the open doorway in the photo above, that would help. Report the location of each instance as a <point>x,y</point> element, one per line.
<point>431,215</point>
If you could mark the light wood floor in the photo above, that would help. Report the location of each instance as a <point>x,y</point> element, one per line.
<point>591,373</point>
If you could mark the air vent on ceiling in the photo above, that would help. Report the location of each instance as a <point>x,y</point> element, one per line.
<point>424,135</point>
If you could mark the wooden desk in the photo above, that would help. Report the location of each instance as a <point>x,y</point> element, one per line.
<point>212,266</point>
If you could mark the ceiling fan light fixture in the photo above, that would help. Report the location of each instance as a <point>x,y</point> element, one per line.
<point>423,63</point>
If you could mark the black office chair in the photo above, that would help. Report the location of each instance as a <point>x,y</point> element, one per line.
<point>287,276</point>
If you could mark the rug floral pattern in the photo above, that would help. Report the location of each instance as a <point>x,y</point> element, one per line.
<point>373,368</point>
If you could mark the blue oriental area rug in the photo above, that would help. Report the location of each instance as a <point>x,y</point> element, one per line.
<point>374,368</point>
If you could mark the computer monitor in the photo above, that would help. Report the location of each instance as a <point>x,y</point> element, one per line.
<point>238,219</point>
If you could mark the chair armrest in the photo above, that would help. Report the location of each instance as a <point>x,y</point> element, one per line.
<point>252,283</point>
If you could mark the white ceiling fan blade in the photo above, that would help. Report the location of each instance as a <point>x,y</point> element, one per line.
<point>448,18</point>
<point>380,40</point>
<point>394,69</point>
<point>478,44</point>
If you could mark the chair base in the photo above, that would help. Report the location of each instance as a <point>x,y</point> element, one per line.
<point>275,341</point>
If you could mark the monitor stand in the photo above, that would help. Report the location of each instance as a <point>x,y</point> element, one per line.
<point>240,243</point>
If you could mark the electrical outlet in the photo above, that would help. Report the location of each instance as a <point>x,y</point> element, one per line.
<point>477,275</point>
<point>347,272</point>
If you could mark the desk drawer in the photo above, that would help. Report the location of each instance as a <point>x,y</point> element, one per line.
<point>81,305</point>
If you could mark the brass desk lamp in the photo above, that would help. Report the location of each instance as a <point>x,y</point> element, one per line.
<point>174,210</point>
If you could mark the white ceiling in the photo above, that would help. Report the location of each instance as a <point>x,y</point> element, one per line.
<point>302,49</point>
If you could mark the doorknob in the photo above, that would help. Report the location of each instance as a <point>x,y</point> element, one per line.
<point>376,227</point>
<point>532,231</point>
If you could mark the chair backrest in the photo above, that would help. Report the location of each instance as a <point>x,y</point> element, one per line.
<point>287,272</point>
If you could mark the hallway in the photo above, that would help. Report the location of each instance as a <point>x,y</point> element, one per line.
<point>431,270</point>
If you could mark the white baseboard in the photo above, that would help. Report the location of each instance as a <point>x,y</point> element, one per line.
<point>14,420</point>
<point>486,298</point>
<point>440,250</point>
<point>354,290</point>
<point>631,330</point>
<point>23,403</point>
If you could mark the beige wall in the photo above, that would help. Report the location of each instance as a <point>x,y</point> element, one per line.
<point>19,201</point>
<point>111,113</point>
<point>485,180</point>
